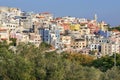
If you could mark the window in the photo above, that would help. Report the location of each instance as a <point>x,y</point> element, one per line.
<point>95,47</point>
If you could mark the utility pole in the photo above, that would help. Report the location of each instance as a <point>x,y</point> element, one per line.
<point>115,59</point>
<point>115,55</point>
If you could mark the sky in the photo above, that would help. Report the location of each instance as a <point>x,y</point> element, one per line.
<point>106,10</point>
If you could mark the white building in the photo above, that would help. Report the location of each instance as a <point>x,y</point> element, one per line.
<point>94,47</point>
<point>4,33</point>
<point>109,48</point>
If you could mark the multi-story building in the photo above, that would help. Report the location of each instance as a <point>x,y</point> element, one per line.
<point>105,34</point>
<point>90,38</point>
<point>67,32</point>
<point>65,41</point>
<point>83,21</point>
<point>55,38</point>
<point>14,11</point>
<point>74,34</point>
<point>103,26</point>
<point>68,19</point>
<point>46,15</point>
<point>11,26</point>
<point>96,47</point>
<point>75,27</point>
<point>109,49</point>
<point>35,39</point>
<point>84,30</point>
<point>54,35</point>
<point>93,26</point>
<point>45,35</point>
<point>26,21</point>
<point>61,29</point>
<point>78,44</point>
<point>102,40</point>
<point>65,26</point>
<point>25,38</point>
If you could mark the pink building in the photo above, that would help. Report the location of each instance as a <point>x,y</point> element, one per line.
<point>92,25</point>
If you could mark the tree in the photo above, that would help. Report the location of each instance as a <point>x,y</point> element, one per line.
<point>106,62</point>
<point>114,28</point>
<point>79,58</point>
<point>44,46</point>
<point>13,43</point>
<point>112,74</point>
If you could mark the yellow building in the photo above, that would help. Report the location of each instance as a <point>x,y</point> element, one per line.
<point>103,26</point>
<point>75,27</point>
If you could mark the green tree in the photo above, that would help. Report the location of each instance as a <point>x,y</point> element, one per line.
<point>13,43</point>
<point>106,62</point>
<point>114,28</point>
<point>112,74</point>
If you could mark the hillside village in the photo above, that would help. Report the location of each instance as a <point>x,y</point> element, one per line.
<point>67,33</point>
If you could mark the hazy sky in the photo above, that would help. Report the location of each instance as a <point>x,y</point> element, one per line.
<point>107,10</point>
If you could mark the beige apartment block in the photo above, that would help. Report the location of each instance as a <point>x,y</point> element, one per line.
<point>109,49</point>
<point>78,43</point>
<point>35,39</point>
<point>66,41</point>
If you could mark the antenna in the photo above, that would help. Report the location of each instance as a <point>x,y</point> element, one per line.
<point>95,17</point>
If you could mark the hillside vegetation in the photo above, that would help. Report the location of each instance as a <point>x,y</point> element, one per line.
<point>27,62</point>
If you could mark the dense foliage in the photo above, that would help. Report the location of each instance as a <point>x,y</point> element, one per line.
<point>106,62</point>
<point>114,28</point>
<point>27,62</point>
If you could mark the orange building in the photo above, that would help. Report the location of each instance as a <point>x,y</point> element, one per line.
<point>66,26</point>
